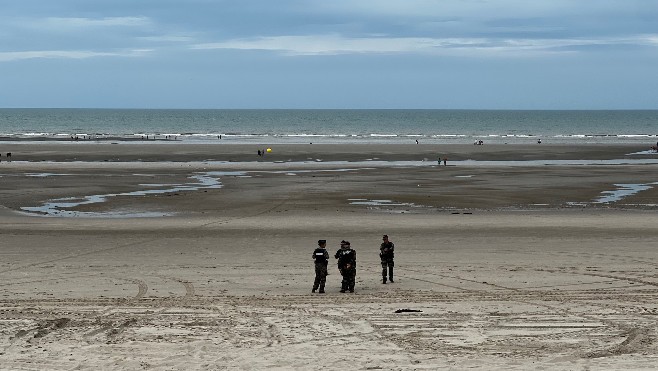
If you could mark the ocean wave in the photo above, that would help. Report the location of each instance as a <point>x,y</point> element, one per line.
<point>193,137</point>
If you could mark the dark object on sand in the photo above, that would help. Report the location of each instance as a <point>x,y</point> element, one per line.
<point>408,311</point>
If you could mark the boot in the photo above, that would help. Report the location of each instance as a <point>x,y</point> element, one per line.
<point>384,280</point>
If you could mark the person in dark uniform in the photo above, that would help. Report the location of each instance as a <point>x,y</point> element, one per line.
<point>321,258</point>
<point>346,265</point>
<point>386,254</point>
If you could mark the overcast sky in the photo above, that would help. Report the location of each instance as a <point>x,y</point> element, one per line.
<point>498,54</point>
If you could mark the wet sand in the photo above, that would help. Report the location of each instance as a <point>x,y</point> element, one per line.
<point>147,151</point>
<point>513,267</point>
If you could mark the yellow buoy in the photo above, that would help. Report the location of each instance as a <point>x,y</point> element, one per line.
<point>269,150</point>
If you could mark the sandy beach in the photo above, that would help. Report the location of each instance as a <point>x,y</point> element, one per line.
<point>547,264</point>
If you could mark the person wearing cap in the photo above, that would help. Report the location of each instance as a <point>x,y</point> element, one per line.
<point>346,265</point>
<point>321,258</point>
<point>386,254</point>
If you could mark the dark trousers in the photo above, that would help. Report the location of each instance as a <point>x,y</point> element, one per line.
<point>349,278</point>
<point>387,264</point>
<point>320,276</point>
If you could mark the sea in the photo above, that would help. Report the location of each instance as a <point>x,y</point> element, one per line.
<point>331,126</point>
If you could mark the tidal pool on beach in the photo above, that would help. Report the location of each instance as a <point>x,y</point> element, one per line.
<point>623,190</point>
<point>61,207</point>
<point>201,176</point>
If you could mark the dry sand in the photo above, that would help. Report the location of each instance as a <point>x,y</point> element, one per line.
<point>506,267</point>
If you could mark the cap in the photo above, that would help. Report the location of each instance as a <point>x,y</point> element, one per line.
<point>320,242</point>
<point>343,242</point>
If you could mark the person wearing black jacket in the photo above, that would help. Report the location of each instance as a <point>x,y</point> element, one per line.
<point>346,265</point>
<point>386,254</point>
<point>321,258</point>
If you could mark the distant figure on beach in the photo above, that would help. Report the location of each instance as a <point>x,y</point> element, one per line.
<point>259,154</point>
<point>321,258</point>
<point>538,141</point>
<point>416,141</point>
<point>386,254</point>
<point>445,161</point>
<point>439,160</point>
<point>8,156</point>
<point>346,265</point>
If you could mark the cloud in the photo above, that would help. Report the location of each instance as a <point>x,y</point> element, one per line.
<point>75,37</point>
<point>479,9</point>
<point>166,38</point>
<point>325,44</point>
<point>337,45</point>
<point>67,54</point>
<point>60,22</point>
